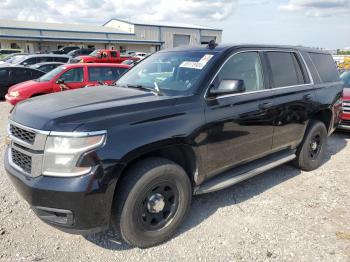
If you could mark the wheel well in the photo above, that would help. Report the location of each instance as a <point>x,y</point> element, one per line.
<point>183,155</point>
<point>325,116</point>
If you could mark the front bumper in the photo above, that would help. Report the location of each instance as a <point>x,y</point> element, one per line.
<point>78,205</point>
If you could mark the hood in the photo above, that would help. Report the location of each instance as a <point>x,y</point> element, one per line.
<point>346,93</point>
<point>93,107</point>
<point>24,86</point>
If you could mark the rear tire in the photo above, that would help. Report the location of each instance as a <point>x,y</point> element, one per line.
<point>151,202</point>
<point>311,152</point>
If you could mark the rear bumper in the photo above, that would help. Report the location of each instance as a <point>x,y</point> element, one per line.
<point>12,100</point>
<point>77,205</point>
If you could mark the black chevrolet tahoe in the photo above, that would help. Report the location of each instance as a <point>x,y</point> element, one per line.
<point>182,122</point>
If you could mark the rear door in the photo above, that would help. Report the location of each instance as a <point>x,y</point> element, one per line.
<point>102,74</point>
<point>239,126</point>
<point>294,100</point>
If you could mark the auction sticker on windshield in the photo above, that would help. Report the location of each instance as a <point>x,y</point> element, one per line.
<point>197,65</point>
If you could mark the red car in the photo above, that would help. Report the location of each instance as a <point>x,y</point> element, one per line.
<point>104,56</point>
<point>65,77</point>
<point>345,120</point>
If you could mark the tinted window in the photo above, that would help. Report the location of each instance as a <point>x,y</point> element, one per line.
<point>4,75</point>
<point>18,75</point>
<point>118,72</point>
<point>60,59</point>
<point>29,61</point>
<point>113,54</point>
<point>285,69</point>
<point>246,67</point>
<point>73,75</point>
<point>102,74</point>
<point>325,66</point>
<point>43,59</point>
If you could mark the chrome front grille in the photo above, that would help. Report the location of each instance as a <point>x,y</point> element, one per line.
<point>22,160</point>
<point>22,134</point>
<point>26,149</point>
<point>346,106</point>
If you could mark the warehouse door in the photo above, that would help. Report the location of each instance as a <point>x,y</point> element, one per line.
<point>180,40</point>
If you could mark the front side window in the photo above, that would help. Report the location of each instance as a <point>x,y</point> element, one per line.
<point>60,59</point>
<point>29,61</point>
<point>73,75</point>
<point>174,73</point>
<point>114,54</point>
<point>43,59</point>
<point>285,69</point>
<point>244,66</point>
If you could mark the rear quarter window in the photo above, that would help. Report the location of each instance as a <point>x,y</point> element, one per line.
<point>325,67</point>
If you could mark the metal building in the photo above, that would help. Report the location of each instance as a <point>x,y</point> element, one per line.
<point>115,34</point>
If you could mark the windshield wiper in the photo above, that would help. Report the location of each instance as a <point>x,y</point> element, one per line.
<point>149,89</point>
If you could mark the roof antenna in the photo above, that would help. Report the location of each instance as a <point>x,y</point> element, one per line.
<point>212,44</point>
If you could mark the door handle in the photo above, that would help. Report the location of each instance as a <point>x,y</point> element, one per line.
<point>307,97</point>
<point>265,105</point>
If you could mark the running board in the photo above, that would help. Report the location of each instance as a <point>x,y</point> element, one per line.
<point>244,172</point>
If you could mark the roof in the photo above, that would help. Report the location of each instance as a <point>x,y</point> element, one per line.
<point>165,24</point>
<point>224,47</point>
<point>83,28</point>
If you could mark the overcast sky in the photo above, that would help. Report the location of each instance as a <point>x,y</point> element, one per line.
<point>317,23</point>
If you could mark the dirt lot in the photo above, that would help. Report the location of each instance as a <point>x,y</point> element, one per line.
<point>282,215</point>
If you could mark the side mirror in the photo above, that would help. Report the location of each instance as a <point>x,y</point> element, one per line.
<point>60,81</point>
<point>227,87</point>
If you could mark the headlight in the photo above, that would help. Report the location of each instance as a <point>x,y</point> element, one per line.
<point>62,154</point>
<point>14,94</point>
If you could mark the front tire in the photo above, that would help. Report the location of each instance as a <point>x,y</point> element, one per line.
<point>311,152</point>
<point>152,200</point>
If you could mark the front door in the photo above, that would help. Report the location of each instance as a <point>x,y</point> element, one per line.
<point>71,79</point>
<point>239,126</point>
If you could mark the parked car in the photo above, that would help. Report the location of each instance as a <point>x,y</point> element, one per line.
<point>11,75</point>
<point>103,56</point>
<point>28,60</point>
<point>345,122</point>
<point>66,77</point>
<point>79,52</point>
<point>46,66</point>
<point>64,50</point>
<point>132,156</point>
<point>4,52</point>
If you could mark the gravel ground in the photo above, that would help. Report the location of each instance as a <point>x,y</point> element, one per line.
<point>282,215</point>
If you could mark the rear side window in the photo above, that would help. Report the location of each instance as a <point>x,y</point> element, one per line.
<point>285,69</point>
<point>20,74</point>
<point>101,74</point>
<point>114,54</point>
<point>325,67</point>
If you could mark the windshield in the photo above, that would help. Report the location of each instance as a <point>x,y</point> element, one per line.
<point>174,73</point>
<point>18,59</point>
<point>95,53</point>
<point>50,75</point>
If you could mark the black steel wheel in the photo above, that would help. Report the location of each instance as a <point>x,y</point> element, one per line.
<point>151,202</point>
<point>311,151</point>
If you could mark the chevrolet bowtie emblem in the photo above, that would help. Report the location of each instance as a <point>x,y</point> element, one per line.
<point>7,140</point>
